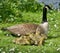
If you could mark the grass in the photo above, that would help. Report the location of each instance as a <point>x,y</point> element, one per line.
<point>51,45</point>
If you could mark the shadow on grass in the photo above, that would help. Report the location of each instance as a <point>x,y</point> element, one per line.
<point>51,37</point>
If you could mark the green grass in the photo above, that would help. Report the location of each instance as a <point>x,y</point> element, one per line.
<point>51,45</point>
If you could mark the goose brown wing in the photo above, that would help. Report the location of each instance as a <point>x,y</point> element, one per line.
<point>22,29</point>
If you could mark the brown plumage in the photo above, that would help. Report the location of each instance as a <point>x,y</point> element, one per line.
<point>22,29</point>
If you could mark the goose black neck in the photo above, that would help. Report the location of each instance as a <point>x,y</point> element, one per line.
<point>44,19</point>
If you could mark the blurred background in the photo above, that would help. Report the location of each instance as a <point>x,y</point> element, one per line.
<point>12,10</point>
<point>54,3</point>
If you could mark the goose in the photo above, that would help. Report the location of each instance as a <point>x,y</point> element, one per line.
<point>24,29</point>
<point>40,31</point>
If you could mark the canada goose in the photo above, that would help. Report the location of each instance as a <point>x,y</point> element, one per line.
<point>24,29</point>
<point>40,31</point>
